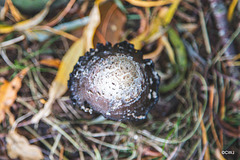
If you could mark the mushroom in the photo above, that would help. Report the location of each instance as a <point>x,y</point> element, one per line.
<point>114,81</point>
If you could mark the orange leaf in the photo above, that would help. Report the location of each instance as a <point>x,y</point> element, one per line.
<point>8,94</point>
<point>50,62</point>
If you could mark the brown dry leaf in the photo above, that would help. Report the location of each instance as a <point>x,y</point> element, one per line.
<point>113,21</point>
<point>172,9</point>
<point>51,62</point>
<point>19,147</point>
<point>154,32</point>
<point>8,94</point>
<point>59,84</point>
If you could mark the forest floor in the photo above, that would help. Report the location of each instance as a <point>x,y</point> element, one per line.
<point>195,46</point>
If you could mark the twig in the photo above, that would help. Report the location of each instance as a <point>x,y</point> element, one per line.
<point>220,16</point>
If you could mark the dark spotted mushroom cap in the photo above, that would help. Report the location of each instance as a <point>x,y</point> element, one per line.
<point>114,81</point>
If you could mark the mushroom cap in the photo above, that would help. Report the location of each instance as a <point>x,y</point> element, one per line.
<point>114,81</point>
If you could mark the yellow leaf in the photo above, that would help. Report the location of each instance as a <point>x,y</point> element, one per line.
<point>171,12</point>
<point>8,94</point>
<point>59,84</point>
<point>6,29</point>
<point>231,9</point>
<point>50,62</point>
<point>141,3</point>
<point>139,40</point>
<point>21,26</point>
<point>19,147</point>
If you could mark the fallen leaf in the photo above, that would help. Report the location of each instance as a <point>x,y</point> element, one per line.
<point>113,21</point>
<point>155,31</point>
<point>41,33</point>
<point>19,147</point>
<point>171,12</point>
<point>141,3</point>
<point>8,94</point>
<point>24,25</point>
<point>51,62</point>
<point>190,27</point>
<point>59,84</point>
<point>204,136</point>
<point>152,32</point>
<point>231,9</point>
